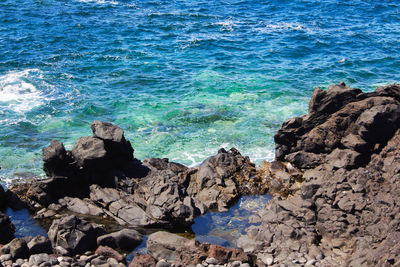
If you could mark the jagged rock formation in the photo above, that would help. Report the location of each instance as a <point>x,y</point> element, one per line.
<point>346,212</point>
<point>101,177</point>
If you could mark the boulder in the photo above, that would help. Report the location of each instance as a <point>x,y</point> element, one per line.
<point>90,152</point>
<point>56,160</point>
<point>40,244</point>
<point>145,260</point>
<point>3,198</point>
<point>74,234</point>
<point>109,253</point>
<point>17,248</point>
<point>125,239</point>
<point>119,149</point>
<point>7,229</point>
<point>162,245</point>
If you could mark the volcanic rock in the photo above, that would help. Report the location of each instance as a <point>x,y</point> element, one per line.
<point>74,234</point>
<point>7,229</point>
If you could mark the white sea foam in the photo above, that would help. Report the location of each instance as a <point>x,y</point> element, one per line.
<point>281,26</point>
<point>101,2</point>
<point>226,25</point>
<point>21,91</point>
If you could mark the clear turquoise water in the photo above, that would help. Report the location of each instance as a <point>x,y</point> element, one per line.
<point>183,78</point>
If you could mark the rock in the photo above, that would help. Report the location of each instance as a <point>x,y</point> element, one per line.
<point>162,245</point>
<point>162,263</point>
<point>224,255</point>
<point>74,234</point>
<point>38,259</point>
<point>90,152</point>
<point>222,179</point>
<point>212,261</point>
<point>143,261</point>
<point>40,244</point>
<point>17,248</point>
<point>3,198</point>
<point>117,147</point>
<point>345,212</point>
<point>83,206</point>
<point>109,253</point>
<point>56,160</point>
<point>7,229</point>
<point>126,239</point>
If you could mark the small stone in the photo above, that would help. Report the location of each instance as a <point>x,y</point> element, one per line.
<point>244,265</point>
<point>235,263</point>
<point>162,263</point>
<point>5,257</point>
<point>20,261</point>
<point>311,262</point>
<point>212,261</point>
<point>302,260</point>
<point>269,261</point>
<point>199,265</point>
<point>112,261</point>
<point>61,251</point>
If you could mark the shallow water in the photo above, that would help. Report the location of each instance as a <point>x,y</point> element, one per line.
<point>183,78</point>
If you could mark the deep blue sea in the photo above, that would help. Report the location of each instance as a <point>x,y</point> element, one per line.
<point>182,78</point>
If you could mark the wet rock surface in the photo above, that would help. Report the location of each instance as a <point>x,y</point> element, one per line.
<point>346,211</point>
<point>171,248</point>
<point>7,229</point>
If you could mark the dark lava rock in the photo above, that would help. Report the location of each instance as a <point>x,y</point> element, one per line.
<point>346,212</point>
<point>100,177</point>
<point>125,239</point>
<point>7,229</point>
<point>74,234</point>
<point>17,248</point>
<point>40,244</point>
<point>109,253</point>
<point>184,252</point>
<point>143,261</point>
<point>3,198</point>
<point>340,117</point>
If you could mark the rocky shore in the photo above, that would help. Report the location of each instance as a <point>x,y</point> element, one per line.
<point>334,181</point>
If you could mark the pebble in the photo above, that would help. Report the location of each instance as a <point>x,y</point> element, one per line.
<point>113,261</point>
<point>311,262</point>
<point>212,261</point>
<point>162,263</point>
<point>269,261</point>
<point>235,264</point>
<point>244,265</point>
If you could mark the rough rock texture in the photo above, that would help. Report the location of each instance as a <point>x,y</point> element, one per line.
<point>3,198</point>
<point>340,120</point>
<point>7,229</point>
<point>143,261</point>
<point>74,235</point>
<point>100,177</point>
<point>346,212</point>
<point>17,248</point>
<point>184,252</point>
<point>40,244</point>
<point>125,239</point>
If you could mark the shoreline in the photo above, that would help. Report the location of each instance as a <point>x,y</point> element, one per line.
<point>339,146</point>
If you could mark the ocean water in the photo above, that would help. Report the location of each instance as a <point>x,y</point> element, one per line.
<point>182,78</point>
